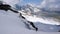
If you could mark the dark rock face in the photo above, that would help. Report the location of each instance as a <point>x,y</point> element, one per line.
<point>33,25</point>
<point>7,7</point>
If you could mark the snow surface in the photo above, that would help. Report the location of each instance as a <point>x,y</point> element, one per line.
<point>10,23</point>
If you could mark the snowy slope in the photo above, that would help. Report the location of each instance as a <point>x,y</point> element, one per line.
<point>10,23</point>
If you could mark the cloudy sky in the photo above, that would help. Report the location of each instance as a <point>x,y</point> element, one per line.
<point>31,1</point>
<point>51,4</point>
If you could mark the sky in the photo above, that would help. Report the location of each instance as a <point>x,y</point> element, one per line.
<point>49,4</point>
<point>37,2</point>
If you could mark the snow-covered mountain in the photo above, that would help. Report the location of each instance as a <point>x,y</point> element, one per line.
<point>44,20</point>
<point>39,14</point>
